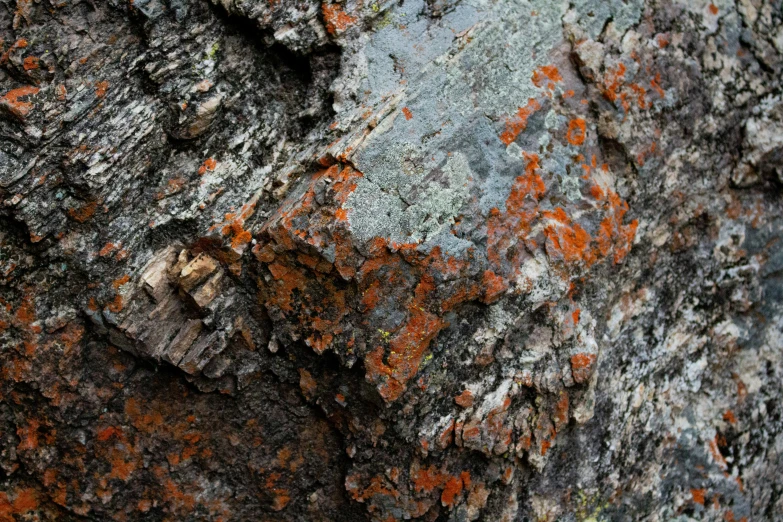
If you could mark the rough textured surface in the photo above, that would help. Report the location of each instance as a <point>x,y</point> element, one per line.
<point>386,260</point>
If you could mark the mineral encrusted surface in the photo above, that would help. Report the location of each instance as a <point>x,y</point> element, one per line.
<point>458,260</point>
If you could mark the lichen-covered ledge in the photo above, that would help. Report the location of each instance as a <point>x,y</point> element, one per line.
<point>448,260</point>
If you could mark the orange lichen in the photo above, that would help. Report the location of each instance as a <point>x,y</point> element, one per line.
<point>116,305</point>
<point>208,165</point>
<point>713,9</point>
<point>101,88</point>
<point>494,286</point>
<point>451,490</point>
<point>11,100</point>
<point>24,501</point>
<point>30,63</point>
<point>464,399</point>
<point>576,131</point>
<point>698,495</point>
<point>566,240</point>
<point>107,249</point>
<point>612,82</point>
<point>407,113</point>
<point>546,74</point>
<point>582,366</point>
<point>83,213</point>
<point>518,123</point>
<point>306,383</point>
<point>729,417</point>
<point>336,19</point>
<point>121,281</point>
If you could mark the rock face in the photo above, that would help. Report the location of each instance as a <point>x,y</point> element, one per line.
<point>383,260</point>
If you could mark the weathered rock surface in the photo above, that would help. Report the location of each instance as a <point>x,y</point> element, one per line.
<point>379,260</point>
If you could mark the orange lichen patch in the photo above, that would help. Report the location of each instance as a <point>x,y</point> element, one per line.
<point>546,74</point>
<point>336,19</point>
<point>208,165</point>
<point>582,366</point>
<point>407,113</point>
<point>641,96</point>
<point>107,249</point>
<point>10,100</point>
<point>407,348</point>
<point>716,454</point>
<point>698,495</point>
<point>306,383</point>
<point>566,240</point>
<point>612,82</point>
<point>101,88</point>
<point>83,213</point>
<point>612,233</point>
<point>729,417</point>
<point>24,501</point>
<point>288,279</point>
<point>178,499</point>
<point>120,467</point>
<point>117,283</point>
<point>31,63</point>
<point>19,44</point>
<point>494,286</point>
<point>713,9</point>
<point>575,316</point>
<point>427,479</point>
<point>464,399</point>
<point>656,84</point>
<point>107,433</point>
<point>451,490</point>
<point>61,92</point>
<point>25,314</point>
<point>516,125</point>
<point>561,411</point>
<point>377,487</point>
<point>28,436</point>
<point>576,131</point>
<point>116,305</point>
<point>505,230</point>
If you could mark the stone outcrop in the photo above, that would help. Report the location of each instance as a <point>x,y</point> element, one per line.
<point>379,260</point>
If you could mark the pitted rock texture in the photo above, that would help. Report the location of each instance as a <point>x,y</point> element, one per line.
<point>456,260</point>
